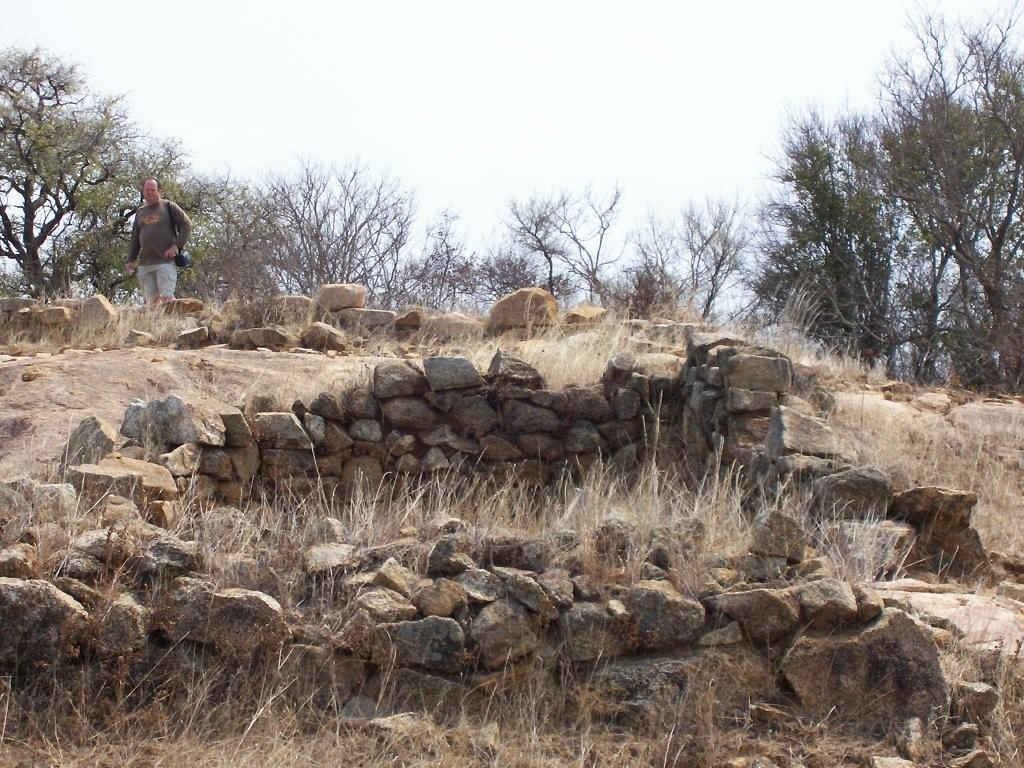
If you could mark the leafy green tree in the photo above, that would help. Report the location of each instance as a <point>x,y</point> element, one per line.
<point>63,152</point>
<point>832,235</point>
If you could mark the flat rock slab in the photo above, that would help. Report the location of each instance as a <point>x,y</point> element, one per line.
<point>981,622</point>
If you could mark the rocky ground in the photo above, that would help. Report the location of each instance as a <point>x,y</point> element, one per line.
<point>849,592</point>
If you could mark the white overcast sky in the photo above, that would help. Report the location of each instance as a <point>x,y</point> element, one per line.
<point>472,103</point>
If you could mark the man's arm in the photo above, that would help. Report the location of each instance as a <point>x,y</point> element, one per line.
<point>133,251</point>
<point>184,225</point>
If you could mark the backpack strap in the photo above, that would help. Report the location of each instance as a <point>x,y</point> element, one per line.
<point>170,215</point>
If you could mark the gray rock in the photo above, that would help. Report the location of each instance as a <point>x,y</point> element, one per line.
<point>663,617</point>
<point>739,400</point>
<point>409,413</point>
<point>520,417</point>
<point>40,623</point>
<point>887,672</point>
<point>445,373</point>
<point>503,633</point>
<point>793,432</point>
<point>859,493</point>
<point>507,370</point>
<point>398,379</point>
<point>827,603</point>
<point>480,586</point>
<point>589,632</point>
<point>474,416</point>
<point>434,643</point>
<point>281,430</point>
<point>777,534</point>
<point>766,615</point>
<point>92,439</point>
<point>758,372</point>
<point>366,430</point>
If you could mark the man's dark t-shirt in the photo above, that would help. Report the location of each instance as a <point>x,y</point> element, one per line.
<point>153,232</point>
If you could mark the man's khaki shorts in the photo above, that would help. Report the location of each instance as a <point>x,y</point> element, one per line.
<point>158,280</point>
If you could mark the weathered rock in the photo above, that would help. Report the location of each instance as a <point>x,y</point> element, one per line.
<point>123,627</point>
<point>183,461</point>
<point>359,403</point>
<point>497,448</point>
<point>336,296</point>
<point>525,308</point>
<point>409,413</point>
<point>385,605</point>
<point>365,320</point>
<point>983,625</point>
<point>434,643</point>
<point>976,702</point>
<point>434,460</point>
<point>398,379</point>
<point>738,400</point>
<point>18,562</point>
<point>281,430</point>
<point>366,430</point>
<point>663,617</point>
<point>654,694</point>
<point>441,597</point>
<point>92,439</point>
<point>503,633</point>
<point>558,586</point>
<point>321,337</point>
<point>445,373</point>
<point>766,615</point>
<point>452,325</point>
<point>138,480</point>
<point>859,493</point>
<point>590,631</point>
<point>328,558</point>
<point>777,534</point>
<point>521,587</point>
<point>235,622</point>
<point>827,603</point>
<point>885,673</point>
<point>946,541</point>
<point>758,372</point>
<point>793,432</point>
<point>506,370</point>
<point>519,417</point>
<point>362,474</point>
<point>97,312</point>
<point>40,623</point>
<point>479,585</point>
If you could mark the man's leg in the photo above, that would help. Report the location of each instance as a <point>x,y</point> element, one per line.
<point>148,283</point>
<point>167,281</point>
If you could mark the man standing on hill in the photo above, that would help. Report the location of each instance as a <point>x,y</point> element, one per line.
<point>161,229</point>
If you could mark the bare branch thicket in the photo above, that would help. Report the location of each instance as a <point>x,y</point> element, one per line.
<point>953,119</point>
<point>584,224</point>
<point>445,275</point>
<point>331,226</point>
<point>533,230</point>
<point>692,261</point>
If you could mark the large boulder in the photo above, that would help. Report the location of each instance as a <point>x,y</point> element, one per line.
<point>778,534</point>
<point>585,314</point>
<point>885,673</point>
<point>525,308</point>
<point>140,481</point>
<point>369,320</point>
<point>174,421</point>
<point>452,325</point>
<point>40,623</point>
<point>337,296</point>
<point>942,516</point>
